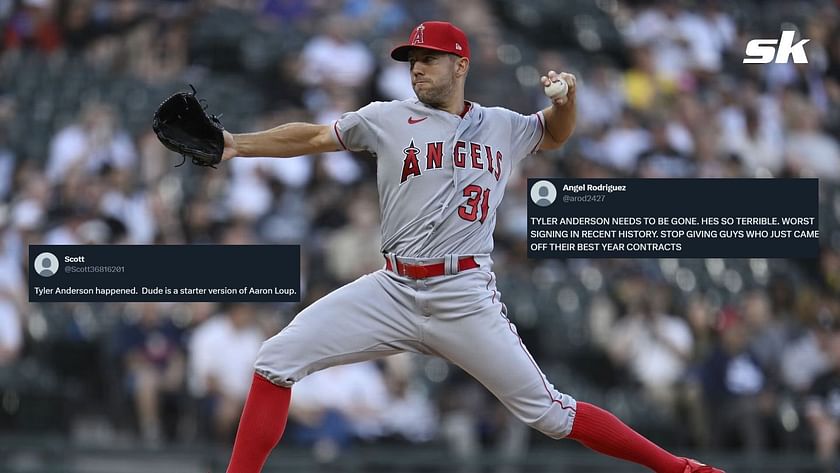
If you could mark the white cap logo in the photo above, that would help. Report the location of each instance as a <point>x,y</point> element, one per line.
<point>418,36</point>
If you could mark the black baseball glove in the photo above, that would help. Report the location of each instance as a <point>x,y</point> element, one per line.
<point>182,125</point>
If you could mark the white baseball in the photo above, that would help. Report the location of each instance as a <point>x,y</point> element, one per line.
<point>557,89</point>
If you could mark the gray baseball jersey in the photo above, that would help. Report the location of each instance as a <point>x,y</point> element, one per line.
<point>441,178</point>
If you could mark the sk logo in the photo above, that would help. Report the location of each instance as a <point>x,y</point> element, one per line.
<point>762,51</point>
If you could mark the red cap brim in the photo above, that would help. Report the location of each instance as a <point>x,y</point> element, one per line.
<point>400,53</point>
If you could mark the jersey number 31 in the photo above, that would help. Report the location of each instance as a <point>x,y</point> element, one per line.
<point>477,197</point>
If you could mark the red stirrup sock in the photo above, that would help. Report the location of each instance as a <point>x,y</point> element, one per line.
<point>605,433</point>
<point>261,425</point>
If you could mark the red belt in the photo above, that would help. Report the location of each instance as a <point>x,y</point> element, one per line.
<point>422,271</point>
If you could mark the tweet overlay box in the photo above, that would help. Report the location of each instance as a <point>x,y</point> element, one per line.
<point>170,273</point>
<point>673,218</point>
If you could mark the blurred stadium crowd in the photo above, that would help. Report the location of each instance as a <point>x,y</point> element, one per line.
<point>737,354</point>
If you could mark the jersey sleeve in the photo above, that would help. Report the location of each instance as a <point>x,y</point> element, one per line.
<point>356,131</point>
<point>527,133</point>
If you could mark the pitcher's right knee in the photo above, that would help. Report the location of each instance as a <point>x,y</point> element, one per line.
<point>282,360</point>
<point>361,321</point>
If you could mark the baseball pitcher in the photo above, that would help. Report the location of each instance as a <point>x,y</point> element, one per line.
<point>442,165</point>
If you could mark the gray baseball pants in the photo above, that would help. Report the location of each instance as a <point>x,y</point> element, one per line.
<point>458,317</point>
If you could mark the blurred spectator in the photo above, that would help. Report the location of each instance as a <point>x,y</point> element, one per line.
<point>620,145</point>
<point>125,200</point>
<point>329,422</point>
<point>13,257</point>
<point>802,360</point>
<point>286,11</point>
<point>735,387</point>
<point>159,51</point>
<point>33,26</point>
<point>830,268</point>
<point>599,98</point>
<point>759,155</point>
<point>238,232</point>
<point>473,423</point>
<point>354,249</point>
<point>379,16</point>
<point>809,150</point>
<point>768,333</point>
<point>90,145</point>
<point>221,354</point>
<point>318,66</point>
<point>823,404</point>
<point>662,158</point>
<point>11,331</point>
<point>154,364</point>
<point>667,29</point>
<point>716,36</point>
<point>342,168</point>
<point>701,318</point>
<point>68,228</point>
<point>7,168</point>
<point>249,196</point>
<point>394,79</point>
<point>410,413</point>
<point>79,27</point>
<point>652,344</point>
<point>804,357</point>
<point>644,86</point>
<point>833,80</point>
<point>489,52</point>
<point>710,162</point>
<point>6,9</point>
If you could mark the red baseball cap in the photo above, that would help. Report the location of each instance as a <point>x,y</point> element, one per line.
<point>435,35</point>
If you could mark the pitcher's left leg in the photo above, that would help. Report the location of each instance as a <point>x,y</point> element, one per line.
<point>470,328</point>
<point>485,344</point>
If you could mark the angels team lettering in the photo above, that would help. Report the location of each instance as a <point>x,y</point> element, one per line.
<point>466,154</point>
